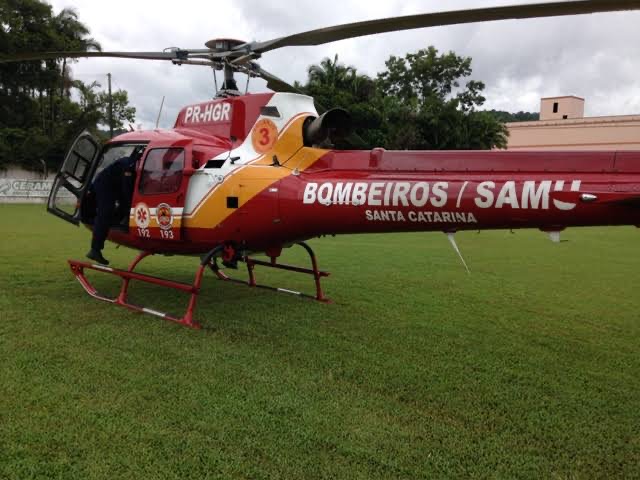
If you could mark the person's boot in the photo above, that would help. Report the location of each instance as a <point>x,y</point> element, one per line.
<point>233,263</point>
<point>97,256</point>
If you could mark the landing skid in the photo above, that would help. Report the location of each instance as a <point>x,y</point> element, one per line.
<point>210,260</point>
<point>251,282</point>
<point>78,267</point>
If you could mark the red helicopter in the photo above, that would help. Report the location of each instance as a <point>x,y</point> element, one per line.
<point>245,173</point>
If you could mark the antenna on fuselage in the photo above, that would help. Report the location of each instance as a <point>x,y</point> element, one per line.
<point>159,112</point>
<point>452,240</point>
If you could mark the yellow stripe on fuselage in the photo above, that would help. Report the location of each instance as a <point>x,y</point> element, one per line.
<point>253,178</point>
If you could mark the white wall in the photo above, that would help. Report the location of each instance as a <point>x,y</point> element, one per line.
<point>17,172</point>
<point>22,186</point>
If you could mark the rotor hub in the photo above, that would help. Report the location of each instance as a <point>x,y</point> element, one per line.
<point>223,44</point>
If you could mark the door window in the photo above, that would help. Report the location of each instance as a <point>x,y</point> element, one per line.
<point>78,161</point>
<point>162,171</point>
<point>73,178</point>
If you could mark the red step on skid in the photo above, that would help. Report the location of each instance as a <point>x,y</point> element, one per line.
<point>78,268</point>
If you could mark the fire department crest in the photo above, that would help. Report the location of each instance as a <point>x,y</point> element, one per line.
<point>164,216</point>
<point>142,215</point>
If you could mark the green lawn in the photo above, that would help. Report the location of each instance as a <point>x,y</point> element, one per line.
<point>528,368</point>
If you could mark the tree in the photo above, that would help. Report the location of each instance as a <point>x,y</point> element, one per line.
<point>418,102</point>
<point>122,112</point>
<point>331,74</point>
<point>428,108</point>
<point>333,84</point>
<point>38,116</point>
<point>71,35</point>
<point>514,117</point>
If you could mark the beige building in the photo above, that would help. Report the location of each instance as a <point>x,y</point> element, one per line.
<point>563,126</point>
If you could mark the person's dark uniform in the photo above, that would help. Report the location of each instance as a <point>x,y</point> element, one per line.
<point>114,183</point>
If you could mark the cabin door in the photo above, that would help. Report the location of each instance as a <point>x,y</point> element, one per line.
<point>74,178</point>
<point>158,201</point>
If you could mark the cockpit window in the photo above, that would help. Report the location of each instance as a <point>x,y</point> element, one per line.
<point>162,171</point>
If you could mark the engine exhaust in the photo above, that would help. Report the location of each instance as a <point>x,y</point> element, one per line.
<point>332,125</point>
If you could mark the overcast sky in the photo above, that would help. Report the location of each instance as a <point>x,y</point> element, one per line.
<point>592,56</point>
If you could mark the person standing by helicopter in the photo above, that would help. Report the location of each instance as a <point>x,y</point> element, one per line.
<point>113,189</point>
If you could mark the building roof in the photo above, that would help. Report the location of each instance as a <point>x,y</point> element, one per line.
<point>604,120</point>
<point>562,96</point>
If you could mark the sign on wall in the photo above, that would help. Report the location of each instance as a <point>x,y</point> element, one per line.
<point>11,187</point>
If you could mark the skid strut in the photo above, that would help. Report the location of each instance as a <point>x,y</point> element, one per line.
<point>78,267</point>
<point>251,264</point>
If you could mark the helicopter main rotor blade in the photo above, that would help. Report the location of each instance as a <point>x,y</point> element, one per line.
<point>174,55</point>
<point>454,17</point>
<point>274,83</point>
<point>246,51</point>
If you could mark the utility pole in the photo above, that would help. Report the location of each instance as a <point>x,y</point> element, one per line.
<point>110,107</point>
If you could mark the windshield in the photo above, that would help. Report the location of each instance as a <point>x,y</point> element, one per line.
<point>111,153</point>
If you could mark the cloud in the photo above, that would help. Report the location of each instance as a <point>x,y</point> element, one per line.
<point>520,61</point>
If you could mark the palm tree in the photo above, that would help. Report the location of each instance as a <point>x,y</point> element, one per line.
<point>330,73</point>
<point>71,34</point>
<point>88,97</point>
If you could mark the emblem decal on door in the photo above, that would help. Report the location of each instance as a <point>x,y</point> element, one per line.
<point>164,216</point>
<point>142,215</point>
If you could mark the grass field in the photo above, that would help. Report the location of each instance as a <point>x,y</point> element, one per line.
<point>528,368</point>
